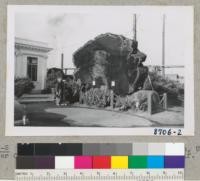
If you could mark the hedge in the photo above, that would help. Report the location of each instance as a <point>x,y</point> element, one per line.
<point>22,86</point>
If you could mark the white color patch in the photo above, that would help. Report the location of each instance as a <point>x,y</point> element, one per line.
<point>174,149</point>
<point>62,162</point>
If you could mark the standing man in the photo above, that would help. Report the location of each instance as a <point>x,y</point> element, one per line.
<point>59,91</point>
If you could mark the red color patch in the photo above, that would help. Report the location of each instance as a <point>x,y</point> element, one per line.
<point>102,162</point>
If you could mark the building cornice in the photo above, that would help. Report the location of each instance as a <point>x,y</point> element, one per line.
<point>32,47</point>
<point>21,43</point>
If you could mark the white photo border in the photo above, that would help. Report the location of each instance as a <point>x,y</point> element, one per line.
<point>12,130</point>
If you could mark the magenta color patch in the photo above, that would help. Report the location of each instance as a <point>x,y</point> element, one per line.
<point>82,162</point>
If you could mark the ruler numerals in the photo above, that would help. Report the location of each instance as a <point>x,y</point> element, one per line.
<point>91,175</point>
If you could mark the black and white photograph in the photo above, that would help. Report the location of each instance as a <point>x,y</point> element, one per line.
<point>126,69</point>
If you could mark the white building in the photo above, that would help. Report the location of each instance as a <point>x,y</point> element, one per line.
<point>31,61</point>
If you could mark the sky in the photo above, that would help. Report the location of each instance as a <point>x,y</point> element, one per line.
<point>65,31</point>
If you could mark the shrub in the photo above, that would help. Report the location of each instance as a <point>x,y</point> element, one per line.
<point>164,85</point>
<point>52,75</point>
<point>71,91</point>
<point>23,85</point>
<point>138,101</point>
<point>98,97</point>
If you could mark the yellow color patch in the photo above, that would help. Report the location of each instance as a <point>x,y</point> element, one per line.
<point>119,162</point>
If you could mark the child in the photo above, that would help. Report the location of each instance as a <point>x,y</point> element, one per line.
<point>59,91</point>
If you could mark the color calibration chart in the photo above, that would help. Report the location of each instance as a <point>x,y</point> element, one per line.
<point>92,161</point>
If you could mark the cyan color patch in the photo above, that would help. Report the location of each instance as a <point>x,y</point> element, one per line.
<point>155,162</point>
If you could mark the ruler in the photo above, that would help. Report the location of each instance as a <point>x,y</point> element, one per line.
<point>99,174</point>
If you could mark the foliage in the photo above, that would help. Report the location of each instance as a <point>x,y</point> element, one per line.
<point>71,91</point>
<point>22,86</point>
<point>52,76</point>
<point>138,100</point>
<point>164,85</point>
<point>98,97</point>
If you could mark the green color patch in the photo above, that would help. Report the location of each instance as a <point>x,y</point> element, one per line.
<point>137,162</point>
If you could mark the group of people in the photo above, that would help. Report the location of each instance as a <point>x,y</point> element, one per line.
<point>67,91</point>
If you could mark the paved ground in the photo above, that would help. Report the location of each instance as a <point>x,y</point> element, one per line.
<point>47,114</point>
<point>174,116</point>
<point>37,115</point>
<point>102,118</point>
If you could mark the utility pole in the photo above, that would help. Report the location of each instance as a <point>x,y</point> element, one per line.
<point>135,27</point>
<point>62,61</point>
<point>163,46</point>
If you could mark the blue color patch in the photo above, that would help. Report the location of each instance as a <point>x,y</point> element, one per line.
<point>155,162</point>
